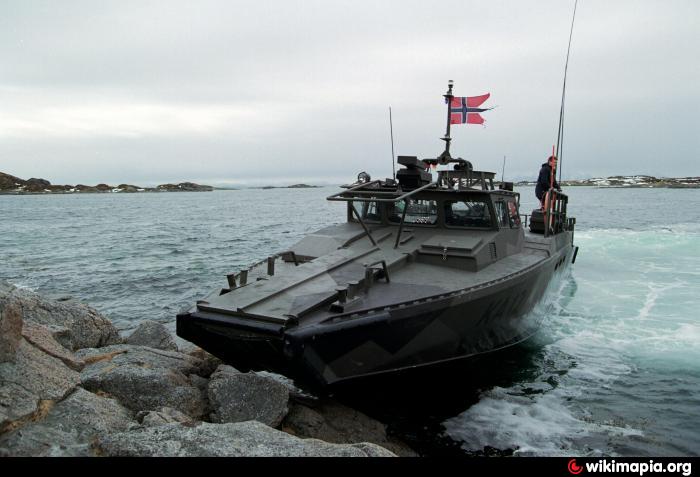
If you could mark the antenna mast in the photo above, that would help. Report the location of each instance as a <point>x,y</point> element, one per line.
<point>503,172</point>
<point>560,132</point>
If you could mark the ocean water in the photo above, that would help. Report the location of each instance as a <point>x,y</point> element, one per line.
<point>615,370</point>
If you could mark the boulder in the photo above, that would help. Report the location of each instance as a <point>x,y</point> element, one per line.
<point>243,439</point>
<point>97,359</point>
<point>43,442</point>
<point>10,327</point>
<point>31,384</point>
<point>142,388</point>
<point>72,324</point>
<point>201,383</point>
<point>68,427</point>
<point>145,379</point>
<point>42,339</point>
<point>184,346</point>
<point>209,362</point>
<point>333,422</point>
<point>238,397</point>
<point>152,334</point>
<point>295,393</point>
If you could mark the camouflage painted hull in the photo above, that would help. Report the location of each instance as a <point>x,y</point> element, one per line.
<point>432,330</point>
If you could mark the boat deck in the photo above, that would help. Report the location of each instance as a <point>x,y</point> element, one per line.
<point>305,292</point>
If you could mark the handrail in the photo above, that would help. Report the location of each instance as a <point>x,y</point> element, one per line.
<point>555,212</point>
<point>340,196</point>
<point>471,177</point>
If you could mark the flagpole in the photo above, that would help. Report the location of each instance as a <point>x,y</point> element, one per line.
<point>393,158</point>
<point>445,156</point>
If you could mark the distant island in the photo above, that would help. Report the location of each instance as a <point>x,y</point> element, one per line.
<point>630,182</point>
<point>293,186</point>
<point>14,185</point>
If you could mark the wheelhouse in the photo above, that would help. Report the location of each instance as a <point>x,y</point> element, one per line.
<point>460,199</point>
<point>449,209</point>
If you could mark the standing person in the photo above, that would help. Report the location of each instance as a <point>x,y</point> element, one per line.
<point>546,180</point>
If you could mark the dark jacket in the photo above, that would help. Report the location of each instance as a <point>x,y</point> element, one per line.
<point>543,181</point>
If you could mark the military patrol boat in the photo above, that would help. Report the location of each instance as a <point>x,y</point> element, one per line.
<point>425,271</point>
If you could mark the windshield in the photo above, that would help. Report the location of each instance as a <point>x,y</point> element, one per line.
<point>418,212</point>
<point>467,213</point>
<point>369,211</point>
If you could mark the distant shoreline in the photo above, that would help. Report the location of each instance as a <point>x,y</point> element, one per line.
<point>629,182</point>
<point>293,186</point>
<point>11,185</point>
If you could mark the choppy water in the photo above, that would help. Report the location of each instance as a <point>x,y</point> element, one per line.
<point>615,370</point>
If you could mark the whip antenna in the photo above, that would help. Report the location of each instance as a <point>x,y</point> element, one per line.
<point>503,172</point>
<point>560,132</point>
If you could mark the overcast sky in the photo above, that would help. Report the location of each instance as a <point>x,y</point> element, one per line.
<point>279,91</point>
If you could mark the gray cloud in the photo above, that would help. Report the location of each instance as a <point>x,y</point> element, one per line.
<point>234,91</point>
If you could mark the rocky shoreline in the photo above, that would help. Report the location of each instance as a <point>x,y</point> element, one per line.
<point>70,385</point>
<point>639,181</point>
<point>15,186</point>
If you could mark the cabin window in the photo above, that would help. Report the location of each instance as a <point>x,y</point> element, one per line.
<point>467,213</point>
<point>418,212</point>
<point>369,211</point>
<point>502,214</point>
<point>513,214</point>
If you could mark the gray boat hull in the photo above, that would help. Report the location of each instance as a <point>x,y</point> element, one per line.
<point>429,332</point>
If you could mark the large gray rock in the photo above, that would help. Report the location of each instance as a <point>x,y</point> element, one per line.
<point>333,422</point>
<point>238,397</point>
<point>98,359</point>
<point>146,379</point>
<point>30,384</point>
<point>46,442</point>
<point>68,427</point>
<point>41,338</point>
<point>154,335</point>
<point>209,361</point>
<point>141,388</point>
<point>72,324</point>
<point>243,439</point>
<point>187,347</point>
<point>10,327</point>
<point>295,393</point>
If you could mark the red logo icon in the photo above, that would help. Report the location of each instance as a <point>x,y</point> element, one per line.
<point>574,468</point>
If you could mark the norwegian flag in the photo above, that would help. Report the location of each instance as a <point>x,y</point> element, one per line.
<point>466,109</point>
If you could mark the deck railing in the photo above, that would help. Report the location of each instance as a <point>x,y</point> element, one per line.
<point>555,212</point>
